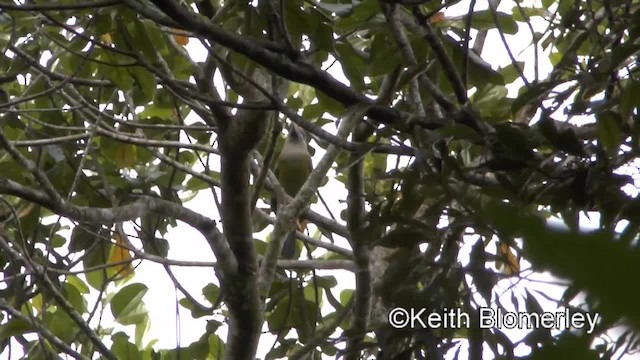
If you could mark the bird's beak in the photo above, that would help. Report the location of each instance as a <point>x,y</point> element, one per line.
<point>296,131</point>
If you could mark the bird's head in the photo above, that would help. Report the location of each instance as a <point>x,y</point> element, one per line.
<point>296,133</point>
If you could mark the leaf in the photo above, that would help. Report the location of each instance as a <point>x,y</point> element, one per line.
<point>125,155</point>
<point>629,99</point>
<point>487,97</point>
<point>345,296</point>
<point>146,83</point>
<point>78,283</point>
<point>61,325</point>
<point>123,349</point>
<point>196,311</point>
<point>180,39</point>
<point>483,280</point>
<point>15,327</point>
<point>97,257</point>
<point>577,255</point>
<point>106,38</point>
<point>341,10</point>
<point>609,132</point>
<point>510,72</point>
<point>530,12</point>
<point>353,66</point>
<point>514,143</point>
<point>459,131</point>
<point>82,237</point>
<point>74,297</point>
<point>483,20</point>
<point>508,262</point>
<point>216,347</point>
<point>143,42</point>
<point>121,257</point>
<point>385,55</point>
<point>329,104</point>
<point>117,74</point>
<point>211,292</point>
<point>127,306</point>
<point>531,95</point>
<point>361,15</point>
<point>480,72</point>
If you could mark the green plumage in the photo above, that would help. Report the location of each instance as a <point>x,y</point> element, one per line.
<point>292,169</point>
<point>293,172</point>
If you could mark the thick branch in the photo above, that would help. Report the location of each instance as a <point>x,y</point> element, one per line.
<point>140,208</point>
<point>294,71</point>
<point>355,218</point>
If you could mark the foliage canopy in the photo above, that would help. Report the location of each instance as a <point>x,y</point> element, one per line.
<point>115,113</point>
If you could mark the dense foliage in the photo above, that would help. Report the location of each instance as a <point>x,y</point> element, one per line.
<point>113,113</point>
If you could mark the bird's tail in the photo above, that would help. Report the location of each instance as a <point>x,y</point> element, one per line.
<point>289,247</point>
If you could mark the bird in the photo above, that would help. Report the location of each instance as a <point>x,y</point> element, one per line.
<point>292,170</point>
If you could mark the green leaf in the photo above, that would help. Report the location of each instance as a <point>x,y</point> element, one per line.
<point>510,72</point>
<point>460,132</point>
<point>216,347</point>
<point>82,237</point>
<point>353,66</point>
<point>78,283</point>
<point>211,292</point>
<point>61,325</point>
<point>313,111</point>
<point>143,41</point>
<point>146,83</point>
<point>74,297</point>
<point>123,349</point>
<point>480,72</point>
<point>609,132</point>
<point>329,104</point>
<point>483,20</point>
<point>487,96</point>
<point>361,15</point>
<point>385,55</point>
<point>196,311</point>
<point>530,12</point>
<point>15,327</point>
<point>514,142</point>
<point>345,296</point>
<point>141,330</point>
<point>127,306</point>
<point>629,99</point>
<point>98,256</point>
<point>125,155</point>
<point>341,10</point>
<point>531,95</point>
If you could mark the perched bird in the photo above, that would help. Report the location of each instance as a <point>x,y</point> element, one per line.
<point>292,169</point>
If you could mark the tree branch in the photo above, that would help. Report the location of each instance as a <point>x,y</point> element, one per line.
<point>41,276</point>
<point>294,71</point>
<point>355,217</point>
<point>140,208</point>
